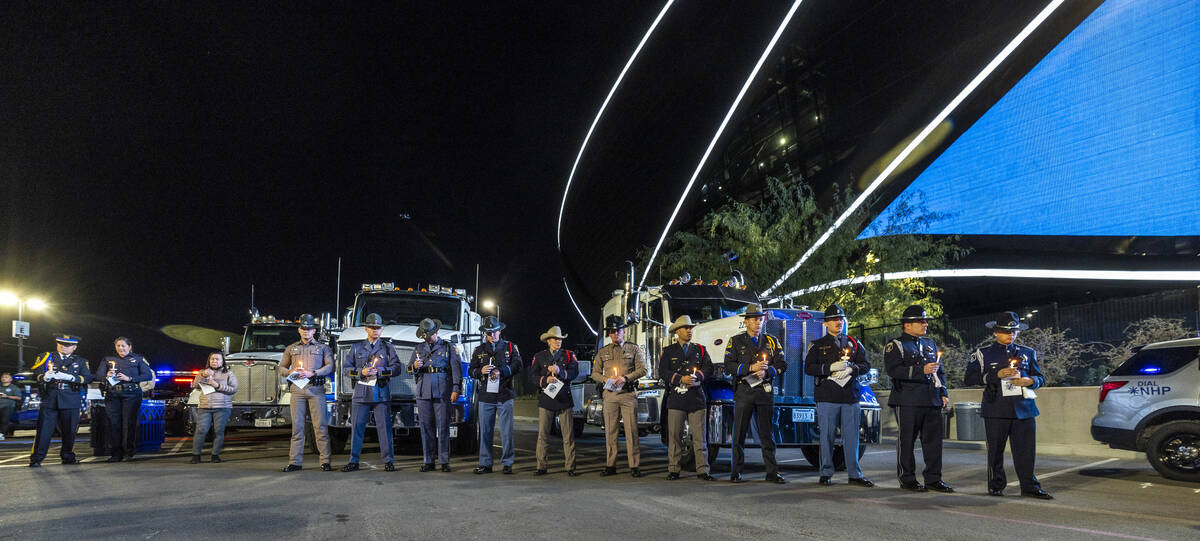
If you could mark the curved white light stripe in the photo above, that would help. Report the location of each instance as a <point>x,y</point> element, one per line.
<point>581,316</point>
<point>920,138</point>
<point>1050,274</point>
<point>720,129</point>
<point>599,113</point>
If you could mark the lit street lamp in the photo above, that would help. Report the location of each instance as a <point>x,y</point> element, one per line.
<point>489,305</point>
<point>20,327</point>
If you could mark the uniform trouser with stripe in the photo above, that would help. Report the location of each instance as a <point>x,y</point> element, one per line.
<point>566,422</point>
<point>434,415</point>
<point>490,415</point>
<point>742,412</point>
<point>924,422</point>
<point>623,405</point>
<point>67,421</point>
<point>311,405</point>
<point>1023,433</point>
<point>359,414</point>
<point>122,412</point>
<point>696,424</point>
<point>830,417</point>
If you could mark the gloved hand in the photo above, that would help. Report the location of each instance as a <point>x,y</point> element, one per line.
<point>839,366</point>
<point>59,376</point>
<point>842,374</point>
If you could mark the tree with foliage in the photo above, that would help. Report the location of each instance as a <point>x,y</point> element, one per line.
<point>1140,333</point>
<point>1057,354</point>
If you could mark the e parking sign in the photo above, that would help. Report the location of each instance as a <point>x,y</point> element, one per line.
<point>20,329</point>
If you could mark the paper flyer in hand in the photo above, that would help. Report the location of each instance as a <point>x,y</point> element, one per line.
<point>753,380</point>
<point>552,389</point>
<point>843,379</point>
<point>298,380</point>
<point>493,385</point>
<point>112,380</point>
<point>207,389</point>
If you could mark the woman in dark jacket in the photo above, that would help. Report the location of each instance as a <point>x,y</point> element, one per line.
<point>552,372</point>
<point>217,386</point>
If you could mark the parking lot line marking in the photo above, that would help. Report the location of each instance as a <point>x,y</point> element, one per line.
<point>18,457</point>
<point>1048,525</point>
<point>1076,468</point>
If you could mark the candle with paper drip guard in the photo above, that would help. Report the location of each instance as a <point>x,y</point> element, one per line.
<point>112,373</point>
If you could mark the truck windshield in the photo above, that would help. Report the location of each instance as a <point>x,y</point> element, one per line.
<point>400,309</point>
<point>703,310</point>
<point>269,338</point>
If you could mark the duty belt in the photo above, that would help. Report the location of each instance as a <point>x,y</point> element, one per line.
<point>127,387</point>
<point>433,370</point>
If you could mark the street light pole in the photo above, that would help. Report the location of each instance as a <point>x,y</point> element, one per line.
<point>20,338</point>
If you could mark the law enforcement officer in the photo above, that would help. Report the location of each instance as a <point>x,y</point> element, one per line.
<point>684,366</point>
<point>371,363</point>
<point>63,377</point>
<point>918,397</point>
<point>555,365</point>
<point>308,358</point>
<point>755,359</point>
<point>494,363</point>
<point>120,379</point>
<point>835,360</point>
<point>437,367</point>
<point>620,363</point>
<point>1008,374</point>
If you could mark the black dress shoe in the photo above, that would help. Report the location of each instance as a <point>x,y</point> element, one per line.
<point>507,470</point>
<point>996,492</point>
<point>635,472</point>
<point>426,468</point>
<point>216,459</point>
<point>540,472</point>
<point>69,461</point>
<point>825,480</point>
<point>389,467</point>
<point>292,467</point>
<point>941,486</point>
<point>706,477</point>
<point>349,467</point>
<point>326,467</point>
<point>129,458</point>
<point>735,478</point>
<point>195,459</point>
<point>1039,494</point>
<point>573,473</point>
<point>483,469</point>
<point>445,467</point>
<point>861,481</point>
<point>673,476</point>
<point>776,478</point>
<point>608,471</point>
<point>913,486</point>
<point>35,464</point>
<point>114,458</point>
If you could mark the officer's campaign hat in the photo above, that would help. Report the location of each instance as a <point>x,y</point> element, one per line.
<point>834,312</point>
<point>554,332</point>
<point>428,327</point>
<point>913,314</point>
<point>373,320</point>
<point>754,310</point>
<point>1007,321</point>
<point>681,322</point>
<point>66,339</point>
<point>614,322</point>
<point>492,324</point>
<point>307,321</point>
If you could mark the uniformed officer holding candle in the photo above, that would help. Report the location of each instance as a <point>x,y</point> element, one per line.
<point>437,367</point>
<point>63,377</point>
<point>755,359</point>
<point>372,362</point>
<point>684,367</point>
<point>306,363</point>
<point>918,397</point>
<point>618,366</point>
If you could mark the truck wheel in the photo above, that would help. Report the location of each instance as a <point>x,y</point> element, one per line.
<point>337,439</point>
<point>812,453</point>
<point>577,427</point>
<point>1174,450</point>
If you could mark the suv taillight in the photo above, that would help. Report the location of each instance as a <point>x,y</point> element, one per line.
<point>1109,386</point>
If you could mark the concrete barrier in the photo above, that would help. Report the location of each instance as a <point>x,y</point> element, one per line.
<point>1064,426</point>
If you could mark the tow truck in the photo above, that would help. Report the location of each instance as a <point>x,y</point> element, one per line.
<point>402,311</point>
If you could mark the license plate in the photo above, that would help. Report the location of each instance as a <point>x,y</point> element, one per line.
<point>262,423</point>
<point>803,415</point>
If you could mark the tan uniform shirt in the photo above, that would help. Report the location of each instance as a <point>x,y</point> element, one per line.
<point>627,358</point>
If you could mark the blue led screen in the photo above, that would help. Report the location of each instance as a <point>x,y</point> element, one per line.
<point>1101,137</point>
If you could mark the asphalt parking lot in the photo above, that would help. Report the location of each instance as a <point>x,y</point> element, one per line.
<point>162,496</point>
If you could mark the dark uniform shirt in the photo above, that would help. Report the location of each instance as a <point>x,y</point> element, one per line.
<point>904,359</point>
<point>62,394</point>
<point>380,355</point>
<point>132,365</point>
<point>568,369</point>
<point>983,369</point>
<point>442,370</point>
<point>827,350</point>
<point>506,358</point>
<point>679,360</point>
<point>742,352</point>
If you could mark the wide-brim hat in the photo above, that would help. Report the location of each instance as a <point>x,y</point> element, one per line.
<point>754,310</point>
<point>307,321</point>
<point>553,332</point>
<point>1007,321</point>
<point>492,324</point>
<point>913,313</point>
<point>834,312</point>
<point>615,322</point>
<point>681,322</point>
<point>427,327</point>
<point>373,320</point>
<point>66,339</point>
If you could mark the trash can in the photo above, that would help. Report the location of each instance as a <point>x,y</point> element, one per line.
<point>151,426</point>
<point>970,421</point>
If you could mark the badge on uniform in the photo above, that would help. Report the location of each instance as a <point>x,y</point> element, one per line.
<point>767,387</point>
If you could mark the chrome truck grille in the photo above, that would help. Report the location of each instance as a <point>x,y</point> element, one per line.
<point>402,385</point>
<point>258,381</point>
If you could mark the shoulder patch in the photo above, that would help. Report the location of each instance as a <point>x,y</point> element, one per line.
<point>891,346</point>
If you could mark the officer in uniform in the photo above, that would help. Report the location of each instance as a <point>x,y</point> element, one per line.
<point>437,367</point>
<point>63,377</point>
<point>494,363</point>
<point>371,363</point>
<point>120,379</point>
<point>622,363</point>
<point>308,358</point>
<point>555,365</point>
<point>918,397</point>
<point>684,366</point>
<point>1008,374</point>
<point>755,360</point>
<point>835,360</point>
